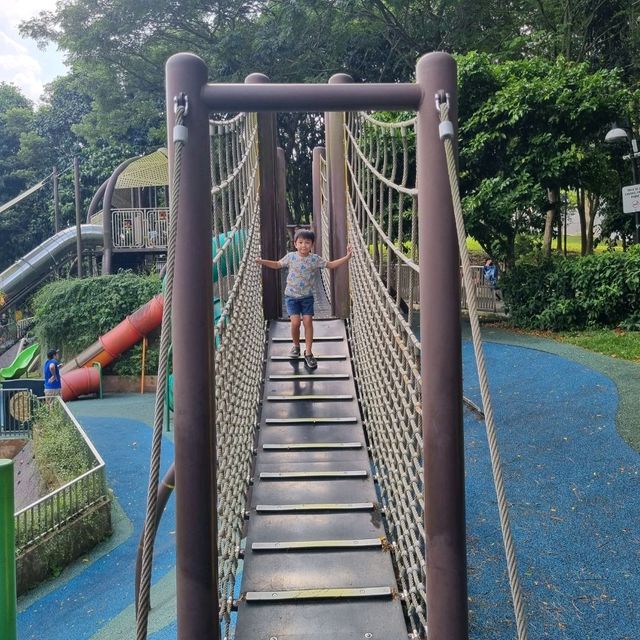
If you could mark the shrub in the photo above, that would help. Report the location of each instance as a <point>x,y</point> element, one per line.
<point>60,452</point>
<point>72,314</point>
<point>601,290</point>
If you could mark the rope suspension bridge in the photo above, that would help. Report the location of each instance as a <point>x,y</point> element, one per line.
<point>326,503</point>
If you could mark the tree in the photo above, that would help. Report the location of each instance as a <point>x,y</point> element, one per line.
<point>529,129</point>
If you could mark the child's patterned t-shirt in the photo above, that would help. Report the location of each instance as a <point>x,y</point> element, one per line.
<point>302,273</point>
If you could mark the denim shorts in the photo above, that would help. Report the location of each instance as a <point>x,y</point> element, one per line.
<point>299,306</point>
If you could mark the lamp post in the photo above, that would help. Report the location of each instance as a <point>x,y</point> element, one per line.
<point>614,136</point>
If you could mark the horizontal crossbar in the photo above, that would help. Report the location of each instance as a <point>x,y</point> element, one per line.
<point>366,543</point>
<point>315,339</point>
<point>312,445</point>
<point>316,506</point>
<point>311,420</point>
<point>311,97</point>
<point>323,357</point>
<point>310,397</point>
<point>308,475</point>
<point>310,376</point>
<point>319,594</point>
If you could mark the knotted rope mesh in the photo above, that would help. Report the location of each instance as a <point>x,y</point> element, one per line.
<point>324,225</point>
<point>384,289</point>
<point>239,338</point>
<point>239,331</point>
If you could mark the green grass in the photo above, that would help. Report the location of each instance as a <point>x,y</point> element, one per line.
<point>573,246</point>
<point>610,342</point>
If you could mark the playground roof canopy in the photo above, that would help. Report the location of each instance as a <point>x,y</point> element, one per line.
<point>148,171</point>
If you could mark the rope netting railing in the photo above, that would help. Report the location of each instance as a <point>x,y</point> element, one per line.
<point>239,330</point>
<point>382,206</point>
<point>239,339</point>
<point>324,224</point>
<point>382,209</point>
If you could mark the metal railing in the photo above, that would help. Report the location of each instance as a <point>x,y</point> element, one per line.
<point>68,501</point>
<point>409,292</point>
<point>485,292</point>
<point>17,407</point>
<point>140,228</point>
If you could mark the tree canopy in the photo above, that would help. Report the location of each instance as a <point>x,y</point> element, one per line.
<point>540,82</point>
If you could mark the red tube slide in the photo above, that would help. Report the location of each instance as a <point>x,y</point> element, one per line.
<point>79,377</point>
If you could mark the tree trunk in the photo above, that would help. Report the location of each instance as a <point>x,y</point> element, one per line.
<point>580,199</point>
<point>554,196</point>
<point>559,223</point>
<point>592,203</point>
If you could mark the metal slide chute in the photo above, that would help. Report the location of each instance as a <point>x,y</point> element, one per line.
<point>30,270</point>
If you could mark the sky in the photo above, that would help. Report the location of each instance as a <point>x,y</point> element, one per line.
<point>21,62</point>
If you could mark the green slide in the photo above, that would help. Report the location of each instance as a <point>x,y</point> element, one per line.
<point>21,364</point>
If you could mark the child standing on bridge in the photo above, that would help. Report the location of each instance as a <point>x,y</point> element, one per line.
<point>303,268</point>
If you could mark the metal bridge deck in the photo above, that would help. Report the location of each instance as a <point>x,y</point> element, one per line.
<point>316,562</point>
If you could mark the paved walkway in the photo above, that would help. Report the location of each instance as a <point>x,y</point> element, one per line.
<point>571,478</point>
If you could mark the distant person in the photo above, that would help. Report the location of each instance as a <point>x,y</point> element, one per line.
<point>490,274</point>
<point>303,267</point>
<point>51,374</point>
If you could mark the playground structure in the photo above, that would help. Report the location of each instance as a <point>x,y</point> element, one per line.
<point>35,267</point>
<point>413,422</point>
<point>216,404</point>
<point>135,211</point>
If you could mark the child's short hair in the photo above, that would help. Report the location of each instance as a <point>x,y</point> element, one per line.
<point>305,234</point>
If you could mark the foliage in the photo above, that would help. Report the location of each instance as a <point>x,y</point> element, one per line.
<point>71,314</point>
<point>601,290</point>
<point>113,99</point>
<point>529,126</point>
<point>60,451</point>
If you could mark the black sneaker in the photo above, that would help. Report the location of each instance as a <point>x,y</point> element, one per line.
<point>309,361</point>
<point>294,351</point>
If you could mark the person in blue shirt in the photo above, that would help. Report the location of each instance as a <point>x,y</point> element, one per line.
<point>303,266</point>
<point>490,273</point>
<point>51,374</point>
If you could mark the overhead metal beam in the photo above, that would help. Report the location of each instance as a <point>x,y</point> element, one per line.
<point>311,97</point>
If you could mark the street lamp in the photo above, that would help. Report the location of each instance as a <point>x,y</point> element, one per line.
<point>614,136</point>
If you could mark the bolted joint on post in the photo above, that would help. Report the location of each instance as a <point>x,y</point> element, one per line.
<point>181,100</point>
<point>441,97</point>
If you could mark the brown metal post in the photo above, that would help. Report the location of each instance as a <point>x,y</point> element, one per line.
<point>271,301</point>
<point>334,140</point>
<point>316,182</point>
<point>193,362</point>
<point>56,201</point>
<point>281,206</point>
<point>76,184</point>
<point>441,362</point>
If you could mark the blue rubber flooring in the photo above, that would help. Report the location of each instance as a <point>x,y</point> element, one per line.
<point>81,606</point>
<point>572,483</point>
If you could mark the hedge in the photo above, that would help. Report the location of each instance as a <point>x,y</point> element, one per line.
<point>600,290</point>
<point>72,314</point>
